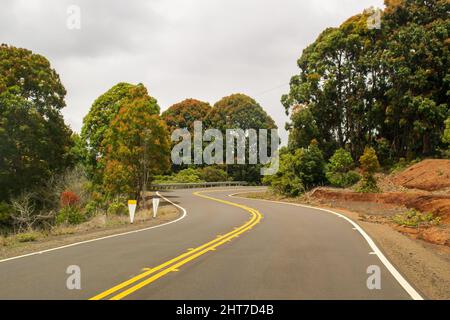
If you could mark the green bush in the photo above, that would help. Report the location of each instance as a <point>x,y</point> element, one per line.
<point>368,185</point>
<point>369,166</point>
<point>414,218</point>
<point>212,174</point>
<point>91,208</point>
<point>27,237</point>
<point>70,215</point>
<point>338,170</point>
<point>189,175</point>
<point>343,180</point>
<point>118,208</point>
<point>298,172</point>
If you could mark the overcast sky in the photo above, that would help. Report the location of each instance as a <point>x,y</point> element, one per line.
<point>203,49</point>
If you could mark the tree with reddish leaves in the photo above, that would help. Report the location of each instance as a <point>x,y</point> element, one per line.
<point>182,115</point>
<point>136,146</point>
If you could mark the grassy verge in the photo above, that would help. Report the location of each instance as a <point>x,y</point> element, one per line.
<point>99,224</point>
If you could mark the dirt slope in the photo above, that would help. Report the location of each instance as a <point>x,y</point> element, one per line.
<point>424,187</point>
<point>429,175</point>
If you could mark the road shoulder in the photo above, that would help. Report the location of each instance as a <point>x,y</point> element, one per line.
<point>98,228</point>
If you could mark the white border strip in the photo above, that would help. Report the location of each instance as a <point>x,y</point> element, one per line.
<point>402,281</point>
<point>107,237</point>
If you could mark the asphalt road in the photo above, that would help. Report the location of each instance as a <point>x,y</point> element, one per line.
<point>230,248</point>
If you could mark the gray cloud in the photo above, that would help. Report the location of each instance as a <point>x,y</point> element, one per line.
<point>179,49</point>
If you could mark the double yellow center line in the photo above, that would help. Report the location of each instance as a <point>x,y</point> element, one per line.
<point>126,288</point>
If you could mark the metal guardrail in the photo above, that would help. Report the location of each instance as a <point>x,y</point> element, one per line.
<point>197,185</point>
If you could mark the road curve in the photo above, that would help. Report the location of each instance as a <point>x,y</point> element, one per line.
<point>225,248</point>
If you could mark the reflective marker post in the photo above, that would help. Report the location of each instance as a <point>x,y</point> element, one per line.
<point>132,209</point>
<point>155,206</point>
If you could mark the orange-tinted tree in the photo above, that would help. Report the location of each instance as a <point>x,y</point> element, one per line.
<point>136,146</point>
<point>183,114</point>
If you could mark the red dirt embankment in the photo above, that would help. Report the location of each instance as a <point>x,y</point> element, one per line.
<point>429,175</point>
<point>439,205</point>
<point>430,181</point>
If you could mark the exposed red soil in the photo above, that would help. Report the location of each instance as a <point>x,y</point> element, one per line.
<point>439,205</point>
<point>424,186</point>
<point>429,175</point>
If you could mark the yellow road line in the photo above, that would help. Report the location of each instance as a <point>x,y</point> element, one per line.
<point>185,257</point>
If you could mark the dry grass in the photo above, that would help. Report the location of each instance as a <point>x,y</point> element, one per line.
<point>97,223</point>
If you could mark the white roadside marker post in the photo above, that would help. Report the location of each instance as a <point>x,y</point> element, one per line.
<point>132,209</point>
<point>155,206</point>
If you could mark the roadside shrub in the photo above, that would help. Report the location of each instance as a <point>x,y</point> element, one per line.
<point>285,183</point>
<point>369,166</point>
<point>212,174</point>
<point>69,198</point>
<point>343,180</point>
<point>369,161</point>
<point>189,175</point>
<point>118,208</point>
<point>70,215</point>
<point>414,218</point>
<point>298,172</point>
<point>27,237</point>
<point>91,209</point>
<point>338,170</point>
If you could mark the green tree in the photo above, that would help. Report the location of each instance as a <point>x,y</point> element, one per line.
<point>298,172</point>
<point>303,128</point>
<point>239,111</point>
<point>338,169</point>
<point>135,146</point>
<point>415,55</point>
<point>96,123</point>
<point>362,86</point>
<point>369,166</point>
<point>34,140</point>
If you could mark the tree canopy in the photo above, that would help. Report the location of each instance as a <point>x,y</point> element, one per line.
<point>183,114</point>
<point>362,85</point>
<point>104,109</point>
<point>239,111</point>
<point>34,140</point>
<point>136,145</point>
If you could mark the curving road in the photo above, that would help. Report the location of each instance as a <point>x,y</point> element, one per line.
<point>224,248</point>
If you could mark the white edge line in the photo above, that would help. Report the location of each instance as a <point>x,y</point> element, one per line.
<point>107,237</point>
<point>395,273</point>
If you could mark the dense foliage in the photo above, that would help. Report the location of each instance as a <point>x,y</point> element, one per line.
<point>34,141</point>
<point>104,109</point>
<point>388,88</point>
<point>339,170</point>
<point>194,175</point>
<point>135,147</point>
<point>299,171</point>
<point>182,115</point>
<point>239,111</point>
<point>369,166</point>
